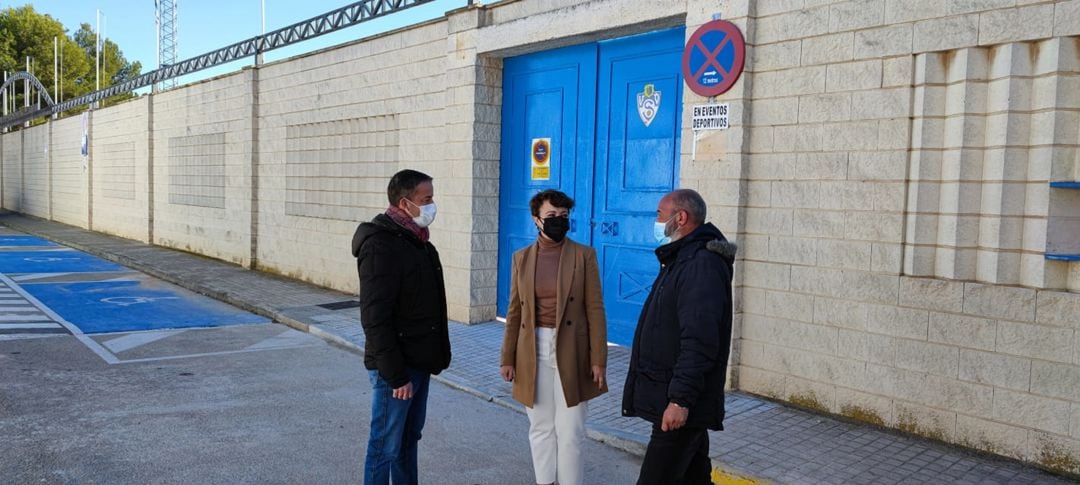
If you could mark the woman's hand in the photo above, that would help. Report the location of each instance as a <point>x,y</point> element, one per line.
<point>507,372</point>
<point>599,375</point>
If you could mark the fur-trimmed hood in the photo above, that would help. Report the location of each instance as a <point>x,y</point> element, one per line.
<point>723,247</point>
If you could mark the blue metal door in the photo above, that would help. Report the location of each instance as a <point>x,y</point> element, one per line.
<point>550,95</point>
<point>612,112</point>
<point>637,160</point>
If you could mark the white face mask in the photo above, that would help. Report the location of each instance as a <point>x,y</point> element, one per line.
<point>427,214</point>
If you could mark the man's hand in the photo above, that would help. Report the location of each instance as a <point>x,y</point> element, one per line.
<point>599,375</point>
<point>674,417</point>
<point>507,372</point>
<point>403,392</point>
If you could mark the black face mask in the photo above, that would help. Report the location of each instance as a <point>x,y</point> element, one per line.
<point>556,228</point>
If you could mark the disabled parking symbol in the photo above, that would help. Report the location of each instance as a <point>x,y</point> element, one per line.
<point>135,300</point>
<point>40,259</point>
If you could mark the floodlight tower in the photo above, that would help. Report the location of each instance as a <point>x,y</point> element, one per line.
<point>167,19</point>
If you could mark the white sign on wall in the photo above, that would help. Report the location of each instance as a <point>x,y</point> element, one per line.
<point>84,148</point>
<point>710,117</point>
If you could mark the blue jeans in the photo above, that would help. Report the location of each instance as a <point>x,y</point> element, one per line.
<point>395,431</point>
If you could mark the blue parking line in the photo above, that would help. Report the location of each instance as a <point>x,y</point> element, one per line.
<point>138,302</point>
<point>144,304</point>
<point>60,261</point>
<point>25,241</point>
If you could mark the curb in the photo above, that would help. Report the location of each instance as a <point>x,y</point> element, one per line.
<point>621,440</point>
<point>720,476</point>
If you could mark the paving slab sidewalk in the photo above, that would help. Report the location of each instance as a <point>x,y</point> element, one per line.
<point>763,441</point>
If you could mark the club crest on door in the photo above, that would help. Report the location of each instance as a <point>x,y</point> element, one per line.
<point>648,103</point>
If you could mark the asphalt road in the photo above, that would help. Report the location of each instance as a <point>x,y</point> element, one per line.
<point>240,404</point>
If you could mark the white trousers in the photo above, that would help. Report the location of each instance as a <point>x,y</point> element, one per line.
<point>556,432</point>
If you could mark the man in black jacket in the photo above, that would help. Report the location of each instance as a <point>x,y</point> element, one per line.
<point>403,312</point>
<point>678,365</point>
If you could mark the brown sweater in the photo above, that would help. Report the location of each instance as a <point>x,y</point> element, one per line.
<point>547,282</point>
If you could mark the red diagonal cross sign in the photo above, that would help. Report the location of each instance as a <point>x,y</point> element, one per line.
<point>732,38</point>
<point>711,58</point>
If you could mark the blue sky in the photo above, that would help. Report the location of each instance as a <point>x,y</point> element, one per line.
<point>205,25</point>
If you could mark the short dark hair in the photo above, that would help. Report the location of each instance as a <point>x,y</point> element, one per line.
<point>403,184</point>
<point>555,197</point>
<point>690,201</point>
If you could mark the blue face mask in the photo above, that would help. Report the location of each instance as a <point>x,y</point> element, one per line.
<point>660,232</point>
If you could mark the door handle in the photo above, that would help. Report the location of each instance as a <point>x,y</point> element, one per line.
<point>609,228</point>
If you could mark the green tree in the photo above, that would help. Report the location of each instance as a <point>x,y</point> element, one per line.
<point>115,68</point>
<point>27,33</point>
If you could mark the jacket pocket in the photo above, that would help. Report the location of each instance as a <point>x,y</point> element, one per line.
<point>650,391</point>
<point>581,349</point>
<point>418,341</point>
<point>416,332</point>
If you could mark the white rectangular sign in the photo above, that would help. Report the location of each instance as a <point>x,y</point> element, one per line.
<point>541,158</point>
<point>710,117</point>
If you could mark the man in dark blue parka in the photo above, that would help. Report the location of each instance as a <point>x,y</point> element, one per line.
<point>679,361</point>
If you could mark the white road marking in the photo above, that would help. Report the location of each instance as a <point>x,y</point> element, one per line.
<point>23,318</point>
<point>87,341</point>
<point>132,340</point>
<point>135,300</point>
<point>209,354</point>
<point>37,276</point>
<point>11,326</point>
<point>25,336</point>
<point>26,307</point>
<point>289,338</point>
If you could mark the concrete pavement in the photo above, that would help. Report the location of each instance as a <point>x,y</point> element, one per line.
<point>763,441</point>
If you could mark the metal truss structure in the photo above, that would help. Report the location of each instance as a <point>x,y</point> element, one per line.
<point>333,21</point>
<point>23,75</point>
<point>166,17</point>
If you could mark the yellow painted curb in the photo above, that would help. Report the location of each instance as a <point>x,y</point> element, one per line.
<point>721,477</point>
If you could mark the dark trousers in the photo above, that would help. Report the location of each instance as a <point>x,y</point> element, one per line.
<point>679,457</point>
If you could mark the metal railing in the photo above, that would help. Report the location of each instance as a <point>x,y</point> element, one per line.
<point>326,23</point>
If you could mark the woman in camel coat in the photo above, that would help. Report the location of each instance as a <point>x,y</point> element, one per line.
<point>555,343</point>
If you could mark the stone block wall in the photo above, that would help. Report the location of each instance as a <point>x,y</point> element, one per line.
<point>69,173</point>
<point>993,125</point>
<point>471,117</point>
<point>12,178</point>
<point>35,171</point>
<point>120,170</point>
<point>202,167</point>
<point>334,126</point>
<point>896,216</point>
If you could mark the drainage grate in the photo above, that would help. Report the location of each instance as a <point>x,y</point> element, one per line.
<point>341,305</point>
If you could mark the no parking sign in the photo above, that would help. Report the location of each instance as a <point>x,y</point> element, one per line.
<point>713,58</point>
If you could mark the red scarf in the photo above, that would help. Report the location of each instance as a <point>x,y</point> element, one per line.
<point>405,220</point>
